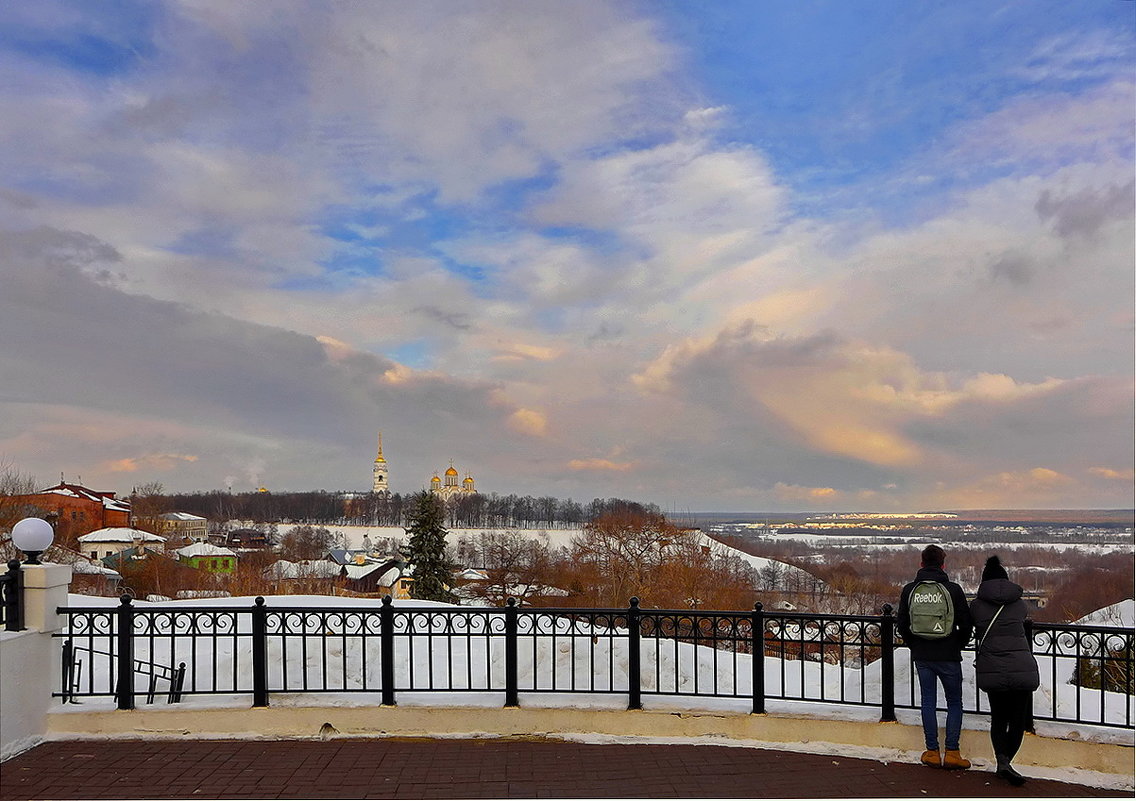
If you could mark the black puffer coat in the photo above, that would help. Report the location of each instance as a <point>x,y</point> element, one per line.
<point>1005,660</point>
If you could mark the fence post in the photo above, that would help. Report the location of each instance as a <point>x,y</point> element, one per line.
<point>259,653</point>
<point>887,668</point>
<point>386,653</point>
<point>124,691</point>
<point>634,698</point>
<point>177,684</point>
<point>757,652</point>
<point>511,698</point>
<point>68,671</point>
<point>14,597</point>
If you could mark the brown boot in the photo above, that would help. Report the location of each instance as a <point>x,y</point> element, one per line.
<point>931,759</point>
<point>952,760</point>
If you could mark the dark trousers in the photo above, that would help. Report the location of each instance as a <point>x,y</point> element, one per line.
<point>1011,713</point>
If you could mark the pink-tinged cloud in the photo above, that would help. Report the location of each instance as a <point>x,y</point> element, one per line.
<point>1113,475</point>
<point>152,461</point>
<point>600,465</point>
<point>792,492</point>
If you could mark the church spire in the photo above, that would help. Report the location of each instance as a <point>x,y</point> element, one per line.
<point>380,472</point>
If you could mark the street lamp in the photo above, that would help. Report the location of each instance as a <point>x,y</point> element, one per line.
<point>33,536</point>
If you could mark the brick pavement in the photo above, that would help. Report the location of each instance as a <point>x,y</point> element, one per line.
<point>488,768</point>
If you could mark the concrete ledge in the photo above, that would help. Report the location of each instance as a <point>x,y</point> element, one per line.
<point>894,741</point>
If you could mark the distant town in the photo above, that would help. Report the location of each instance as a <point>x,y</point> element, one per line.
<point>547,551</point>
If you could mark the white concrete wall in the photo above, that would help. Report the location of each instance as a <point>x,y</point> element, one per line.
<point>29,660</point>
<point>25,689</point>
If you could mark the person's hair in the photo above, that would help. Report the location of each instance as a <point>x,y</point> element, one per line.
<point>993,569</point>
<point>933,556</point>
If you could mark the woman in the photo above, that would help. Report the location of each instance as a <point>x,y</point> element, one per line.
<point>1005,667</point>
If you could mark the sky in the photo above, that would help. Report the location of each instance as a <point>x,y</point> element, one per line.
<point>731,256</point>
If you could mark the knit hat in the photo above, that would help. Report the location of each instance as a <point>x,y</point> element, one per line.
<point>994,569</point>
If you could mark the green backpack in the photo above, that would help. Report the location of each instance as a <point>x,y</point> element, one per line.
<point>931,610</point>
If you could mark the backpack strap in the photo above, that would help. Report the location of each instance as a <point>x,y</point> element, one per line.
<point>989,626</point>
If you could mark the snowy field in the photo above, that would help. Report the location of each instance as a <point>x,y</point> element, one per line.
<point>553,538</point>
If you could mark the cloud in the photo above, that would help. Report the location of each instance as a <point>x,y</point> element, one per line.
<point>529,421</point>
<point>791,492</point>
<point>230,390</point>
<point>148,462</point>
<point>600,465</point>
<point>841,397</point>
<point>1086,211</point>
<point>1112,474</point>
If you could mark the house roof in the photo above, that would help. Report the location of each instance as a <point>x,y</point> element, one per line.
<point>311,568</point>
<point>183,516</point>
<point>349,556</point>
<point>357,572</point>
<point>203,549</point>
<point>119,534</point>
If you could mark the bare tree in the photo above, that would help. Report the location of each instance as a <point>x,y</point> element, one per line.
<point>13,484</point>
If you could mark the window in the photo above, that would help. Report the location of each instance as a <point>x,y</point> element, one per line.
<point>94,554</point>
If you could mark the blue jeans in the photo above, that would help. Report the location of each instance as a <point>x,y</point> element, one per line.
<point>950,674</point>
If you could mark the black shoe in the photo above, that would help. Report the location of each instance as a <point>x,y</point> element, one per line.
<point>1012,776</point>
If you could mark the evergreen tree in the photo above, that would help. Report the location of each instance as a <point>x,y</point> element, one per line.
<point>432,571</point>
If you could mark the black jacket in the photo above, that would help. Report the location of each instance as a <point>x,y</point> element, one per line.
<point>1005,660</point>
<point>948,649</point>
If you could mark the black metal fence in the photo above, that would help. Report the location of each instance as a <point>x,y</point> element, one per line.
<point>12,598</point>
<point>388,650</point>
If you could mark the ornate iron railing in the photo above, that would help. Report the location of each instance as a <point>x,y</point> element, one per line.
<point>388,650</point>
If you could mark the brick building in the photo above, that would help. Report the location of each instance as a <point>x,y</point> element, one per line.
<point>76,510</point>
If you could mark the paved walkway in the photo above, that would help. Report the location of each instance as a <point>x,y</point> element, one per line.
<point>492,768</point>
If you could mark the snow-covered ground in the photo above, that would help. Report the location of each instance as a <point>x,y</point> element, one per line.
<point>553,537</point>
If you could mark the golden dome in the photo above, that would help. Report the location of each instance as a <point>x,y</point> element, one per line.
<point>451,471</point>
<point>468,480</point>
<point>435,479</point>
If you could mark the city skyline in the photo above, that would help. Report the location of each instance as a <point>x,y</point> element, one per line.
<point>811,257</point>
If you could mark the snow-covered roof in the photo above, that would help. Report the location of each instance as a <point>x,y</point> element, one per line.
<point>115,505</point>
<point>357,572</point>
<point>1122,613</point>
<point>472,574</point>
<point>203,549</point>
<point>120,534</point>
<point>311,568</point>
<point>347,556</point>
<point>89,568</point>
<point>390,577</point>
<point>184,516</point>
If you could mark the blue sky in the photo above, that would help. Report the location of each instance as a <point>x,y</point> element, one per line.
<point>807,255</point>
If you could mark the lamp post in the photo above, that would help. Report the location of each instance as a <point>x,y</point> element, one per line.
<point>33,536</point>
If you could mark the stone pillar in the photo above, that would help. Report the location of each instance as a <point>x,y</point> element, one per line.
<point>45,589</point>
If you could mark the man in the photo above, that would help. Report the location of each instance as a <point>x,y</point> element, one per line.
<point>937,654</point>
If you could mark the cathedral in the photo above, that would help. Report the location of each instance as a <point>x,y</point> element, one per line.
<point>448,489</point>
<point>452,488</point>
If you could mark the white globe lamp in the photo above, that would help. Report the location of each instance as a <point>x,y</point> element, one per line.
<point>33,536</point>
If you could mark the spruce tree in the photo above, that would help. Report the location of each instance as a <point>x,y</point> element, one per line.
<point>432,571</point>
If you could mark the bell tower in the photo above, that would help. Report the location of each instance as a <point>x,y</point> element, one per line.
<point>380,473</point>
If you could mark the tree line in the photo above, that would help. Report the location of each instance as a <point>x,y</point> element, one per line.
<point>474,510</point>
